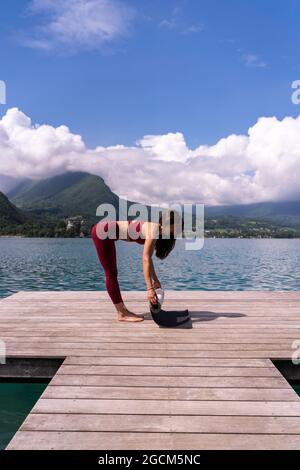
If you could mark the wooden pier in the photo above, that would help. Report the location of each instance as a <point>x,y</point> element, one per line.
<point>137,386</point>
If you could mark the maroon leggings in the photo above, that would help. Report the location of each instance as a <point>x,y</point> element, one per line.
<point>106,251</point>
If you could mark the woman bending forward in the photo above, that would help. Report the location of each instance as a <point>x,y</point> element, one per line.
<point>149,234</point>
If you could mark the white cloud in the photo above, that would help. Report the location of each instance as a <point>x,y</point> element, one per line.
<point>260,166</point>
<point>176,23</point>
<point>192,29</point>
<point>78,24</point>
<point>171,146</point>
<point>168,24</point>
<point>252,60</point>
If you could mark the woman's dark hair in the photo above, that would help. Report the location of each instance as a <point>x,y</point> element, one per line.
<point>164,246</point>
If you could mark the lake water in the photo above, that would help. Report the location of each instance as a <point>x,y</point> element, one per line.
<point>223,264</point>
<point>16,401</point>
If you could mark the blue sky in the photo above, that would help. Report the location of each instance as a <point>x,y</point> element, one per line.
<point>206,68</point>
<point>167,100</point>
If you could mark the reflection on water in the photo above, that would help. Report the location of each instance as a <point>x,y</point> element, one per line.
<point>224,264</point>
<point>16,401</point>
<point>297,389</point>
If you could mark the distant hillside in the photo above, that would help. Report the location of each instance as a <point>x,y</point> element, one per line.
<point>284,213</point>
<point>65,195</point>
<point>9,214</point>
<point>40,208</point>
<point>79,193</point>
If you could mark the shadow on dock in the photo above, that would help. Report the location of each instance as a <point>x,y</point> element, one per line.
<point>205,316</point>
<point>202,316</point>
<point>209,316</point>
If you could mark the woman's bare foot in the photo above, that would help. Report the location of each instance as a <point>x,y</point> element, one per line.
<point>126,315</point>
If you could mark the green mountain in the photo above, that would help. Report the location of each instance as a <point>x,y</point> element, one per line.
<point>40,208</point>
<point>66,195</point>
<point>283,213</point>
<point>78,193</point>
<point>8,212</point>
<point>10,216</point>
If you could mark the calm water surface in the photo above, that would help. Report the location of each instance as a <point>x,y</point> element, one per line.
<point>16,401</point>
<point>223,264</point>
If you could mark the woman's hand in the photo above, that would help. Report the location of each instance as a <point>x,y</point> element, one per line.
<point>152,297</point>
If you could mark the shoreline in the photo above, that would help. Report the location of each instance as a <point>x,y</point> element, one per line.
<point>207,238</point>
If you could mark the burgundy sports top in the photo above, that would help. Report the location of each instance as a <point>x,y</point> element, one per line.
<point>137,230</point>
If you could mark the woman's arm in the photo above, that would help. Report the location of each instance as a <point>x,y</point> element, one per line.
<point>147,268</point>
<point>156,282</point>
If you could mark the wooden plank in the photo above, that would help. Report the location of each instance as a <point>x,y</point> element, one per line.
<point>93,343</point>
<point>27,440</point>
<point>160,393</point>
<point>171,371</point>
<point>182,382</point>
<point>33,352</point>
<point>173,362</point>
<point>40,440</point>
<point>236,441</point>
<point>173,407</point>
<point>162,423</point>
<point>207,338</point>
